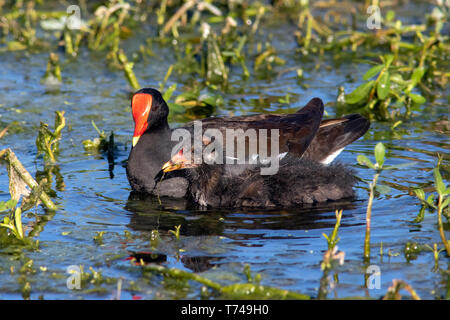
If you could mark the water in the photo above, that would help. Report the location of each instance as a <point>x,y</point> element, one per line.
<point>284,246</point>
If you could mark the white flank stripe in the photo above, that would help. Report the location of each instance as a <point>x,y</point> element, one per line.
<point>282,155</point>
<point>332,156</point>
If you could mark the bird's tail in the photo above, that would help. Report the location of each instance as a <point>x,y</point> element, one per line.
<point>333,135</point>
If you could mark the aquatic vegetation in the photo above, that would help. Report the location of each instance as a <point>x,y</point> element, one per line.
<point>26,290</point>
<point>47,142</point>
<point>176,232</point>
<point>15,224</point>
<point>3,133</point>
<point>307,21</point>
<point>20,179</point>
<point>443,201</point>
<point>209,39</point>
<point>7,205</point>
<point>379,167</point>
<point>393,292</point>
<point>412,250</point>
<point>193,104</point>
<point>52,75</point>
<point>409,66</point>
<point>107,20</point>
<point>101,143</point>
<point>330,257</point>
<point>234,291</point>
<point>375,96</point>
<point>436,253</point>
<point>21,186</point>
<point>98,238</point>
<point>332,241</point>
<point>128,70</point>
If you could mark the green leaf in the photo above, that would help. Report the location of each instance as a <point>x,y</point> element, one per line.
<point>364,161</point>
<point>389,58</point>
<point>16,46</point>
<point>176,108</point>
<point>211,99</point>
<point>18,222</point>
<point>371,62</point>
<point>445,203</point>
<point>397,78</point>
<point>101,134</point>
<point>417,98</point>
<point>7,205</point>
<point>420,194</point>
<point>216,72</point>
<point>390,15</point>
<point>396,124</point>
<point>168,94</point>
<point>11,203</point>
<point>60,123</point>
<point>187,96</point>
<point>380,152</point>
<point>47,142</point>
<point>359,93</point>
<point>430,200</point>
<point>383,189</point>
<point>383,86</point>
<point>373,71</point>
<point>401,165</point>
<point>417,75</point>
<point>438,182</point>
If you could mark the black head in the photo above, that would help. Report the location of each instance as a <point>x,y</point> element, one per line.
<point>149,110</point>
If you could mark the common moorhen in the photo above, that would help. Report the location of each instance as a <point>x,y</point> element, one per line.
<point>298,180</point>
<point>152,145</point>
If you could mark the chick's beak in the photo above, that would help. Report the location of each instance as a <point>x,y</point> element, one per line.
<point>171,166</point>
<point>178,161</point>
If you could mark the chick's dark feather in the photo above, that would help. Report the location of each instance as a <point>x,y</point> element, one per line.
<point>298,181</point>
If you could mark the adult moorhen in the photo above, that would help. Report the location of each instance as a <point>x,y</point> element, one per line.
<point>152,143</point>
<point>298,180</point>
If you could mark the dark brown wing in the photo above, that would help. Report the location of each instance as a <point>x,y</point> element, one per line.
<point>335,134</point>
<point>296,130</point>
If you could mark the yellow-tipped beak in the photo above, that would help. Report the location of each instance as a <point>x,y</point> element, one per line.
<point>171,166</point>
<point>135,140</point>
<point>178,161</point>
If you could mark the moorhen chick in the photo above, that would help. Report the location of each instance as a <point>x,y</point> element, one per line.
<point>152,145</point>
<point>298,181</point>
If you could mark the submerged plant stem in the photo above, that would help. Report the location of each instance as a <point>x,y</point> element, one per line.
<point>369,217</point>
<point>441,226</point>
<point>233,291</point>
<point>177,273</point>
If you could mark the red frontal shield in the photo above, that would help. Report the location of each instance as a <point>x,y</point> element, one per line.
<point>140,106</point>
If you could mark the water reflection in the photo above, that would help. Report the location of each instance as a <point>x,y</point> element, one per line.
<point>193,263</point>
<point>150,213</point>
<point>202,229</point>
